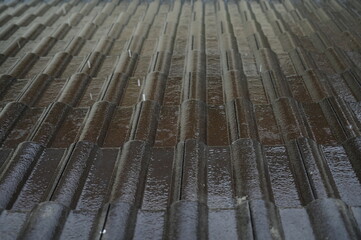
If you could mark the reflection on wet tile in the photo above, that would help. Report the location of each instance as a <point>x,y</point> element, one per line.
<point>186,121</point>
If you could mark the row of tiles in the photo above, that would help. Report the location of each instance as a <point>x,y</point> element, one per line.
<point>330,122</point>
<point>272,79</point>
<point>85,177</point>
<point>155,85</point>
<point>170,165</point>
<point>257,219</point>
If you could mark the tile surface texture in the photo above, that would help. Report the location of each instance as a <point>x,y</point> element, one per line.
<point>180,119</point>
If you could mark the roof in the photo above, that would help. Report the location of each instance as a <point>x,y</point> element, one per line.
<point>180,119</point>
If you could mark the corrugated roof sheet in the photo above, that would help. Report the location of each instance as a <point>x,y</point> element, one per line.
<point>180,120</point>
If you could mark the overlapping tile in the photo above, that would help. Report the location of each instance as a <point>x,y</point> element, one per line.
<point>180,119</point>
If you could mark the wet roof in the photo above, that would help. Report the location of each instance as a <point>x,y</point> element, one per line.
<point>180,120</point>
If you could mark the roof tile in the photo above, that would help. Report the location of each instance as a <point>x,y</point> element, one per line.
<point>180,119</point>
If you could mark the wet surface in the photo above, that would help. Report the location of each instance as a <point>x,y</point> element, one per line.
<point>282,180</point>
<point>167,127</point>
<point>23,128</point>
<point>67,133</point>
<point>170,119</point>
<point>157,187</point>
<point>14,92</point>
<point>119,128</point>
<point>347,183</point>
<point>220,191</point>
<point>37,185</point>
<point>267,126</point>
<point>50,93</point>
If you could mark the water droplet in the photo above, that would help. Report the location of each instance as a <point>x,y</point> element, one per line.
<point>241,200</point>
